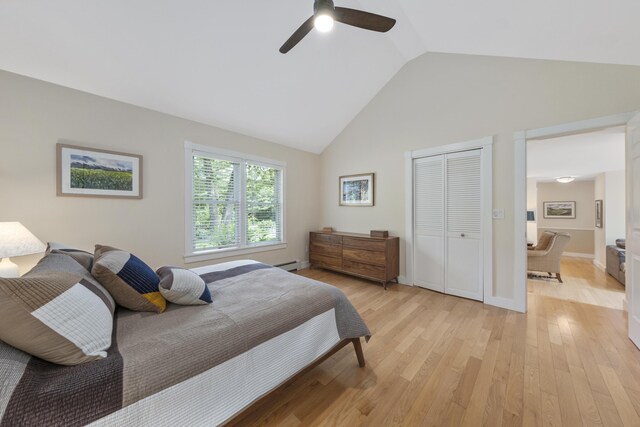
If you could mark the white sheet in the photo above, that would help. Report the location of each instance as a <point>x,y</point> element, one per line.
<point>223,266</point>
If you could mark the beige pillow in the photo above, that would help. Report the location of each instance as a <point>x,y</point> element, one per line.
<point>83,258</point>
<point>58,316</point>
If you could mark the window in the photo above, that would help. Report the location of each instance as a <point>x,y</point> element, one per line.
<point>234,202</point>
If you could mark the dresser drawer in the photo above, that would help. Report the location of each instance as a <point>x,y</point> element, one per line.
<point>322,248</point>
<point>326,238</point>
<point>364,256</point>
<point>372,245</point>
<point>372,271</point>
<point>319,260</point>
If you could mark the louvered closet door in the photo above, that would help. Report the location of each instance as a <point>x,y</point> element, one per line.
<point>429,225</point>
<point>464,265</point>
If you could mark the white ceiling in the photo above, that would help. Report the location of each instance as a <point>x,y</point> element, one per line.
<point>582,156</point>
<point>218,62</point>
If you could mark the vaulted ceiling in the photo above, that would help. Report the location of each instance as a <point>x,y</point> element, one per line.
<point>218,63</point>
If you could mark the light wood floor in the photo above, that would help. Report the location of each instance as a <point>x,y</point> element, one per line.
<point>583,282</point>
<point>441,360</point>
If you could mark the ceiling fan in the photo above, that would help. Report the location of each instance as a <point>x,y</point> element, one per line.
<point>324,13</point>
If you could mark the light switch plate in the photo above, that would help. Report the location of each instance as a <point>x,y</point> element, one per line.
<point>498,214</point>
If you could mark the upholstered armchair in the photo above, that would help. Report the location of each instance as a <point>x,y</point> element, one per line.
<point>545,256</point>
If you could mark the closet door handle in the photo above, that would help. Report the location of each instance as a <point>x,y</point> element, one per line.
<point>462,235</point>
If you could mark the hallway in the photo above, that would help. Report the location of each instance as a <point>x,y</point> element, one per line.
<point>583,282</point>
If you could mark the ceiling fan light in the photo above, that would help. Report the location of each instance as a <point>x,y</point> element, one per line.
<point>323,22</point>
<point>565,179</point>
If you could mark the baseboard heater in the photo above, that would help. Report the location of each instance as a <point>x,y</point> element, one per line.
<point>288,266</point>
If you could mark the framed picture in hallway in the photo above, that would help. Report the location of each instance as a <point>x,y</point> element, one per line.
<point>561,210</point>
<point>599,213</point>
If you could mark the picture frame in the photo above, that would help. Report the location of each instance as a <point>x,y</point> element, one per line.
<point>559,210</point>
<point>599,213</point>
<point>356,190</point>
<point>92,172</point>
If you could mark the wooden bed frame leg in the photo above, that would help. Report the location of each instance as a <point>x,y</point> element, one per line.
<point>358,348</point>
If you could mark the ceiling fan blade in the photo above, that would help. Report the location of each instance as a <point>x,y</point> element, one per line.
<point>361,19</point>
<point>295,38</point>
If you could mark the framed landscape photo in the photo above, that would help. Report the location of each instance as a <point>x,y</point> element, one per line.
<point>561,210</point>
<point>90,172</point>
<point>356,190</point>
<point>599,213</point>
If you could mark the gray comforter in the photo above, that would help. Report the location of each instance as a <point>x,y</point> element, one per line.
<point>151,352</point>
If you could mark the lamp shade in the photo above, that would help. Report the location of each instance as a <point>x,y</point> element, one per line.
<point>16,240</point>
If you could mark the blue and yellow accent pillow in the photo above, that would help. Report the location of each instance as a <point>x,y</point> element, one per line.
<point>131,282</point>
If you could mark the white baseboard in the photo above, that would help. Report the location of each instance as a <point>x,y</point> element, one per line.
<point>303,264</point>
<point>403,281</point>
<point>500,302</point>
<point>578,255</point>
<point>599,265</point>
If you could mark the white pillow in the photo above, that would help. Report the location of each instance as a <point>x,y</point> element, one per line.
<point>181,286</point>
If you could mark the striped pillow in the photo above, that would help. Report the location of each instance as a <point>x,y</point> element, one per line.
<point>131,282</point>
<point>181,286</point>
<point>83,258</point>
<point>57,316</point>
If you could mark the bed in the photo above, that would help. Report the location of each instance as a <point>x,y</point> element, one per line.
<point>191,365</point>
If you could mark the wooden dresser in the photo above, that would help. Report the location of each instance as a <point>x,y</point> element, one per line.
<point>375,258</point>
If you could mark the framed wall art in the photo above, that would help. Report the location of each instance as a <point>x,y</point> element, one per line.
<point>599,213</point>
<point>560,210</point>
<point>356,190</point>
<point>91,172</point>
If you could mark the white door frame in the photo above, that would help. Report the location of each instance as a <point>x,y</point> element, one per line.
<point>487,205</point>
<point>520,189</point>
<point>632,151</point>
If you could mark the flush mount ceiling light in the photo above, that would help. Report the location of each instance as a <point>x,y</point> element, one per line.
<point>565,179</point>
<point>324,15</point>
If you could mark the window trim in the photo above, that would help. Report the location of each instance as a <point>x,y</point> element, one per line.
<point>219,153</point>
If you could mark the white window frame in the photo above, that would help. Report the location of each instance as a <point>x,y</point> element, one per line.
<point>195,256</point>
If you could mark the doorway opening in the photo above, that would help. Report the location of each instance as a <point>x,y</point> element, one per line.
<point>576,217</point>
<point>520,190</point>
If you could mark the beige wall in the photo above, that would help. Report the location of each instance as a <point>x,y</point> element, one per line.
<point>34,115</point>
<point>610,187</point>
<point>440,99</point>
<point>581,192</point>
<point>614,206</point>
